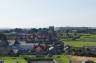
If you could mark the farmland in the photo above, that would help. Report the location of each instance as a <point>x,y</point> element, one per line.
<point>80,43</point>
<point>83,40</point>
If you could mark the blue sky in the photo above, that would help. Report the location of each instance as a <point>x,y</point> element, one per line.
<point>44,13</point>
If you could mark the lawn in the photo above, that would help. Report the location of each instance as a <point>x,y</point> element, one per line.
<point>80,43</point>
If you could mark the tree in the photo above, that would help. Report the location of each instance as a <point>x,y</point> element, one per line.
<point>2,37</point>
<point>33,30</point>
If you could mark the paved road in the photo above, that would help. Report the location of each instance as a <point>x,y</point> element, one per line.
<point>42,62</point>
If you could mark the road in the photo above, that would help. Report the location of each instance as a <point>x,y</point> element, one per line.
<point>42,62</point>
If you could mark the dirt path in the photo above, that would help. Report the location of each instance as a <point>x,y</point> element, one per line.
<point>80,58</point>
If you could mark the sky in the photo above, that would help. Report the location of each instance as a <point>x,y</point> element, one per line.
<point>44,13</point>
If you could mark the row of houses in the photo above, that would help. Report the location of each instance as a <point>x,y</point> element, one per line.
<point>43,35</point>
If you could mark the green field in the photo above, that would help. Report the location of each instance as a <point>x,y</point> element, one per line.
<point>84,40</point>
<point>13,60</point>
<point>63,59</point>
<point>89,38</point>
<point>80,43</point>
<point>60,58</point>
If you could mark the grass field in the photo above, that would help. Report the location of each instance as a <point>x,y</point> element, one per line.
<point>13,60</point>
<point>80,43</point>
<point>61,58</point>
<point>91,38</point>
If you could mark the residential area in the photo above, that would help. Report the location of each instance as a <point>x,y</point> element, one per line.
<point>48,43</point>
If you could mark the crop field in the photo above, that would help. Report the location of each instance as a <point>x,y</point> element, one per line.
<point>80,43</point>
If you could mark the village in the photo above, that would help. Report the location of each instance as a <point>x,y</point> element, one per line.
<point>41,43</point>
